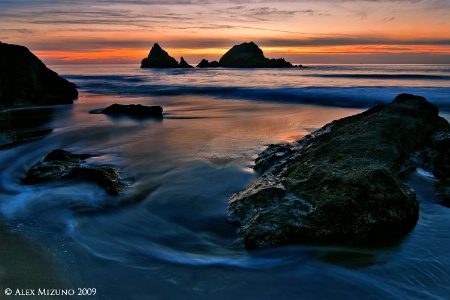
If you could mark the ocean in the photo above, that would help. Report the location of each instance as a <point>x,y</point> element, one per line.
<point>167,235</point>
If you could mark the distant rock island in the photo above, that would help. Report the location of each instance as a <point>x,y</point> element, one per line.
<point>159,58</point>
<point>245,55</point>
<point>26,81</point>
<point>249,55</point>
<point>342,183</point>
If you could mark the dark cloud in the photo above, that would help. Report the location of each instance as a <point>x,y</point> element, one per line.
<point>345,40</point>
<point>189,42</point>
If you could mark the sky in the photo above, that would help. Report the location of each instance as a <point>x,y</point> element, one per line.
<point>302,32</point>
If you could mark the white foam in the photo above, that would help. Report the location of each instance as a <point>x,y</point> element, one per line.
<point>424,173</point>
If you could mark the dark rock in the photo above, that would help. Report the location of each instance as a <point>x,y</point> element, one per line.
<point>184,64</point>
<point>61,164</point>
<point>339,183</point>
<point>26,81</point>
<point>441,161</point>
<point>442,165</point>
<point>12,138</point>
<point>206,64</point>
<point>249,55</point>
<point>18,126</point>
<point>158,58</point>
<point>442,188</point>
<point>136,110</point>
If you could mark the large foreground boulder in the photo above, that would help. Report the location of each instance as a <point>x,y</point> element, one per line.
<point>60,164</point>
<point>249,55</point>
<point>339,183</point>
<point>26,81</point>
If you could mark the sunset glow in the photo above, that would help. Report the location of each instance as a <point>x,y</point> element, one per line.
<point>123,31</point>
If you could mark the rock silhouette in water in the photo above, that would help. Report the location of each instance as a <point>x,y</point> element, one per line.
<point>245,55</point>
<point>136,110</point>
<point>61,164</point>
<point>249,55</point>
<point>339,183</point>
<point>26,81</point>
<point>184,64</point>
<point>159,58</point>
<point>206,64</point>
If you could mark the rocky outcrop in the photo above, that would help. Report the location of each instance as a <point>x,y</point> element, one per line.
<point>435,159</point>
<point>61,164</point>
<point>135,110</point>
<point>339,183</point>
<point>26,81</point>
<point>18,126</point>
<point>159,58</point>
<point>12,138</point>
<point>184,64</point>
<point>206,64</point>
<point>249,55</point>
<point>246,55</point>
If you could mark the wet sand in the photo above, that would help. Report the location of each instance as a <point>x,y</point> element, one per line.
<point>26,266</point>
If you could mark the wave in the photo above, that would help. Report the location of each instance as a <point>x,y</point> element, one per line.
<point>342,96</point>
<point>383,76</point>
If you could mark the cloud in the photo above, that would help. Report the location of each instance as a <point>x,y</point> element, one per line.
<point>343,40</point>
<point>189,42</point>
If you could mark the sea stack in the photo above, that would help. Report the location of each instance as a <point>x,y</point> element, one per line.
<point>249,55</point>
<point>340,184</point>
<point>26,81</point>
<point>184,64</point>
<point>159,58</point>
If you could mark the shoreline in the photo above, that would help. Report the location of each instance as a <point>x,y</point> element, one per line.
<point>174,240</point>
<point>26,265</point>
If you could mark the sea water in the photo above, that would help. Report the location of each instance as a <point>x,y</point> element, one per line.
<point>167,235</point>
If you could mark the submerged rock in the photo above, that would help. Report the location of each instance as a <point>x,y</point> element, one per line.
<point>11,138</point>
<point>26,81</point>
<point>136,110</point>
<point>61,164</point>
<point>206,64</point>
<point>158,58</point>
<point>249,55</point>
<point>340,183</point>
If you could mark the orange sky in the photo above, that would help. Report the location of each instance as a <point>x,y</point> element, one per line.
<point>123,31</point>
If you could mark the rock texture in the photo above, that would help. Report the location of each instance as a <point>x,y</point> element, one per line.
<point>61,164</point>
<point>19,126</point>
<point>435,159</point>
<point>136,110</point>
<point>12,138</point>
<point>339,183</point>
<point>26,81</point>
<point>249,55</point>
